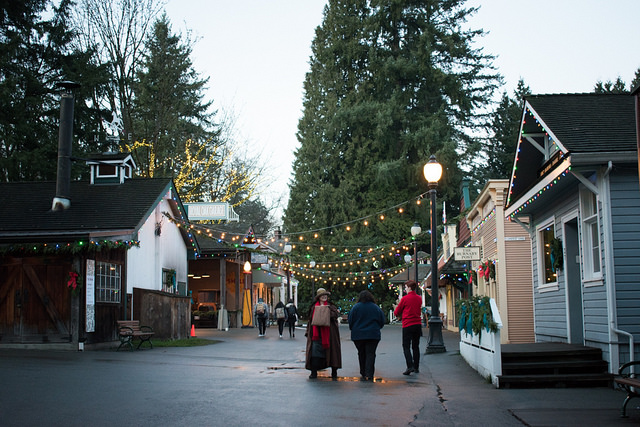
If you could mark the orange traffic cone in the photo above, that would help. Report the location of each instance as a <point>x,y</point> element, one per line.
<point>193,330</point>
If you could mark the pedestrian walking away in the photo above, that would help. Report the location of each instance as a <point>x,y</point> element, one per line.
<point>280,316</point>
<point>292,317</point>
<point>323,336</point>
<point>409,309</point>
<point>261,310</point>
<point>365,321</point>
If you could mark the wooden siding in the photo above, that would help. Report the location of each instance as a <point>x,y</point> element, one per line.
<point>519,285</point>
<point>550,308</point>
<point>625,218</point>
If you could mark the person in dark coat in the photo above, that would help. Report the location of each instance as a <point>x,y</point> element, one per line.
<point>365,321</point>
<point>281,316</point>
<point>292,317</point>
<point>323,342</point>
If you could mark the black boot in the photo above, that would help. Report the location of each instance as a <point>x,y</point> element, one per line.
<point>334,373</point>
<point>314,374</point>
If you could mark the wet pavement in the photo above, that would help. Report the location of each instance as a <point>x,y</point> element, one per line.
<point>245,380</point>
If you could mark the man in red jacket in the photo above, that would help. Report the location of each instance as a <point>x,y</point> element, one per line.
<point>409,309</point>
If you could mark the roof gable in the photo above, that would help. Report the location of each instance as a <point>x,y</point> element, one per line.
<point>558,131</point>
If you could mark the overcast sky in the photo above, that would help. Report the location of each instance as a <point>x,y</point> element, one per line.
<point>256,54</point>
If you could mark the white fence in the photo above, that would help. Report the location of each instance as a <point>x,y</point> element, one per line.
<point>482,352</point>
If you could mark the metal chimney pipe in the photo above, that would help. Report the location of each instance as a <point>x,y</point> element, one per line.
<point>62,199</point>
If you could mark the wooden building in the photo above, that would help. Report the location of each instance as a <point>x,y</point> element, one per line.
<point>68,274</point>
<point>575,188</point>
<point>504,270</point>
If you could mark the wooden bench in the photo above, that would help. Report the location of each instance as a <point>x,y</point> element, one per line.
<point>630,382</point>
<point>128,330</point>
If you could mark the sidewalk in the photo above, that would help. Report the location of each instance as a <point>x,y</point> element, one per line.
<point>471,400</point>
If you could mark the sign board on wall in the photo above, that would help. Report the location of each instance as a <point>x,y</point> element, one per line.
<point>215,211</point>
<point>471,253</point>
<point>90,288</point>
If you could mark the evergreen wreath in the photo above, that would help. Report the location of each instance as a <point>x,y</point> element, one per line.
<point>556,254</point>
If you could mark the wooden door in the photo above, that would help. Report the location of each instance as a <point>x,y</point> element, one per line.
<point>34,300</point>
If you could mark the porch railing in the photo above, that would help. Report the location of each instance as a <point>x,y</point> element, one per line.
<point>482,352</point>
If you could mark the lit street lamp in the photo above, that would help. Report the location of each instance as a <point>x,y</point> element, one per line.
<point>432,173</point>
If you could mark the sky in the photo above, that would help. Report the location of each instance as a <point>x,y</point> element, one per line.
<point>256,54</point>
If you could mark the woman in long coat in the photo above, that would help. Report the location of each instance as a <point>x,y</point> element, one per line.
<point>323,342</point>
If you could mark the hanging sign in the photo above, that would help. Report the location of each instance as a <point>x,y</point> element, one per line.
<point>471,253</point>
<point>215,211</point>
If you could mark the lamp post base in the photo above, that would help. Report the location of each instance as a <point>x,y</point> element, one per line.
<point>435,343</point>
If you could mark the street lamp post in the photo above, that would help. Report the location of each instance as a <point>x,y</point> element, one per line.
<point>415,230</point>
<point>432,173</point>
<point>312,264</point>
<point>287,251</point>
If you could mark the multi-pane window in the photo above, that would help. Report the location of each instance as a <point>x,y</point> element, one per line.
<point>108,282</point>
<point>169,281</point>
<point>547,234</point>
<point>591,235</point>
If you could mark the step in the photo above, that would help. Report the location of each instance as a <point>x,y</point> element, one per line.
<point>555,367</point>
<point>556,381</point>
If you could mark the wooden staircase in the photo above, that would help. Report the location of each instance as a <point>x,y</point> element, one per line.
<point>544,365</point>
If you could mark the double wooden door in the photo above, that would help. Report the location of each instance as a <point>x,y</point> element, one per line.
<point>35,303</point>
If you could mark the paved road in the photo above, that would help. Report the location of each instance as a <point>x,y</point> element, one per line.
<point>247,380</point>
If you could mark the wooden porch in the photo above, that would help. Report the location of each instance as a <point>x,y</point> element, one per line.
<point>552,364</point>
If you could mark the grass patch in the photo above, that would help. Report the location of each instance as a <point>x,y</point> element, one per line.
<point>184,342</point>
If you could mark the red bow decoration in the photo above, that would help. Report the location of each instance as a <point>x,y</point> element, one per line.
<point>73,282</point>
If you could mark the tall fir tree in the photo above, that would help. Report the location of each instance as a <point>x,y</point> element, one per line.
<point>390,83</point>
<point>498,154</point>
<point>169,106</point>
<point>36,53</point>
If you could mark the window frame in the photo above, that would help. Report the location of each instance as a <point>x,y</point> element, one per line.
<point>108,284</point>
<point>590,218</point>
<point>541,229</point>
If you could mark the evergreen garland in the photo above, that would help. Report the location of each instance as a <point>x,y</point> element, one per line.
<point>71,248</point>
<point>474,315</point>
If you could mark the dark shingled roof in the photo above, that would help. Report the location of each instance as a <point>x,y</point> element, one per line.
<point>25,207</point>
<point>589,122</point>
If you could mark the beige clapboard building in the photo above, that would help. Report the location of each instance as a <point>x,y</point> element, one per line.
<point>504,272</point>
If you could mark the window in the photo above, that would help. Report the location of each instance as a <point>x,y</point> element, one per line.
<point>590,235</point>
<point>550,147</point>
<point>108,282</point>
<point>169,281</point>
<point>548,274</point>
<point>107,170</point>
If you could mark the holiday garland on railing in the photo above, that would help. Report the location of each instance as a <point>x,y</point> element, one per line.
<point>474,315</point>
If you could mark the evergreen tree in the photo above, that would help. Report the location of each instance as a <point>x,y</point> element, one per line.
<point>168,104</point>
<point>636,80</point>
<point>610,87</point>
<point>499,153</point>
<point>35,54</point>
<point>390,83</point>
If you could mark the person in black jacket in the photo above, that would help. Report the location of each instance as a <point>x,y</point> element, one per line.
<point>281,316</point>
<point>365,321</point>
<point>292,317</point>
